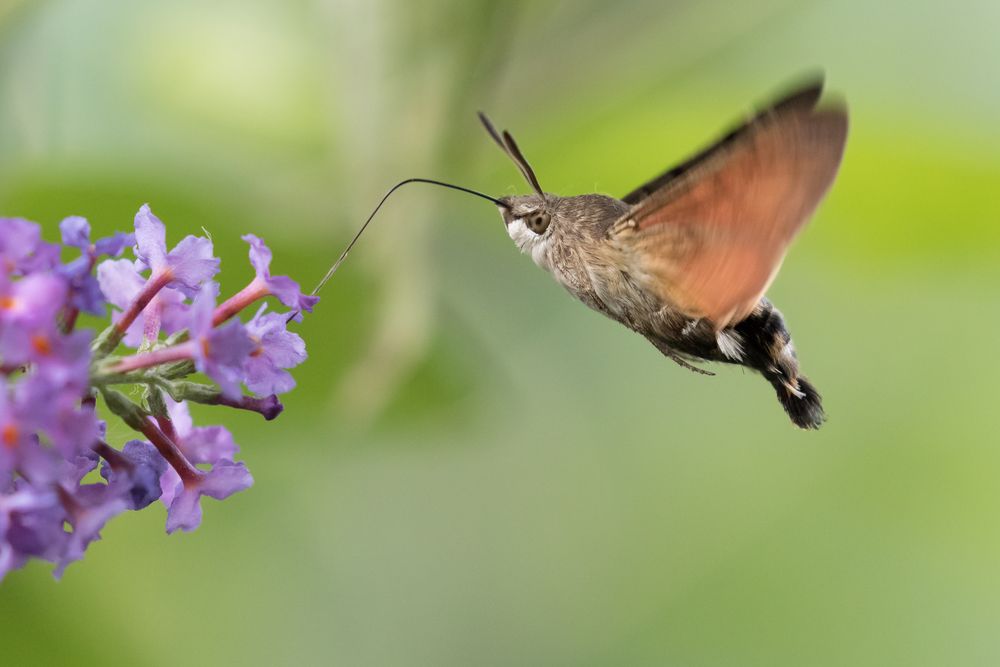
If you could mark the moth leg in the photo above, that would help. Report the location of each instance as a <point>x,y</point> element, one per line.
<point>669,353</point>
<point>685,364</point>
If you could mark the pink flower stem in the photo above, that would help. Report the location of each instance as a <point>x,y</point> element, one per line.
<point>257,289</point>
<point>69,319</point>
<point>170,451</point>
<point>112,456</point>
<point>157,357</point>
<point>72,312</point>
<point>155,283</point>
<point>139,419</point>
<point>166,426</point>
<point>68,502</point>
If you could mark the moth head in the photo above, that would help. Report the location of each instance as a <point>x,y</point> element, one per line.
<point>532,221</point>
<point>528,218</point>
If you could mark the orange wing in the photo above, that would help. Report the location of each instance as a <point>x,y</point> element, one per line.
<point>709,236</point>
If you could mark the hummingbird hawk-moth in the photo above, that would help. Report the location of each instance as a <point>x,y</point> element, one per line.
<point>686,258</point>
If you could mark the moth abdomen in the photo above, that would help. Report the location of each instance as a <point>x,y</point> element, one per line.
<point>769,349</point>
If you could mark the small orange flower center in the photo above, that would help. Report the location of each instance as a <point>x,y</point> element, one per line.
<point>7,302</point>
<point>205,346</point>
<point>42,344</point>
<point>9,435</point>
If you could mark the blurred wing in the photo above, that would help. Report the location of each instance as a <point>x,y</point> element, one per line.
<point>708,236</point>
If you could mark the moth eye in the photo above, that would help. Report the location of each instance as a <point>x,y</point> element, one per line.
<point>538,221</point>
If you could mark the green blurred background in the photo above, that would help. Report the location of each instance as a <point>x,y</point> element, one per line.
<point>475,469</point>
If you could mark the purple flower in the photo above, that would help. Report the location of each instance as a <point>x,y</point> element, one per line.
<point>200,444</point>
<point>218,352</point>
<point>75,231</point>
<point>51,376</point>
<point>22,250</point>
<point>284,288</point>
<point>79,466</point>
<point>30,526</point>
<point>138,469</point>
<point>20,449</point>
<point>64,359</point>
<point>85,292</point>
<point>29,332</point>
<point>88,508</point>
<point>57,413</point>
<point>223,480</point>
<point>189,264</point>
<point>275,349</point>
<point>31,302</point>
<point>121,282</point>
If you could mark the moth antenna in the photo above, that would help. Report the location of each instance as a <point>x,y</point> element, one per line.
<point>340,260</point>
<point>522,163</point>
<point>509,146</point>
<point>492,131</point>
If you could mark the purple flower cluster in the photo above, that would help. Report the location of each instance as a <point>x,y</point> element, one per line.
<point>60,480</point>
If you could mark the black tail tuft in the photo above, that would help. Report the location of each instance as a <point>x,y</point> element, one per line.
<point>805,407</point>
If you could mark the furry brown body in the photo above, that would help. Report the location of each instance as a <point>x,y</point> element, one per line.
<point>686,258</point>
<point>580,251</point>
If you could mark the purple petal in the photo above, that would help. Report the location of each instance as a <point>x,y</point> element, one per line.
<point>20,240</point>
<point>33,525</point>
<point>37,537</point>
<point>226,478</point>
<point>150,239</point>
<point>86,295</point>
<point>202,308</point>
<point>192,264</point>
<point>264,378</point>
<point>19,234</point>
<point>184,512</point>
<point>174,312</point>
<point>223,480</point>
<point>180,417</point>
<point>56,410</point>
<point>223,352</point>
<point>114,245</point>
<point>260,256</point>
<point>41,464</point>
<point>284,288</point>
<point>44,258</point>
<point>142,477</point>
<point>63,360</point>
<point>79,466</point>
<point>289,293</point>
<point>170,486</point>
<point>75,232</point>
<point>209,444</point>
<point>203,444</point>
<point>91,511</point>
<point>219,352</point>
<point>284,348</point>
<point>32,301</point>
<point>119,281</point>
<point>229,344</point>
<point>277,349</point>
